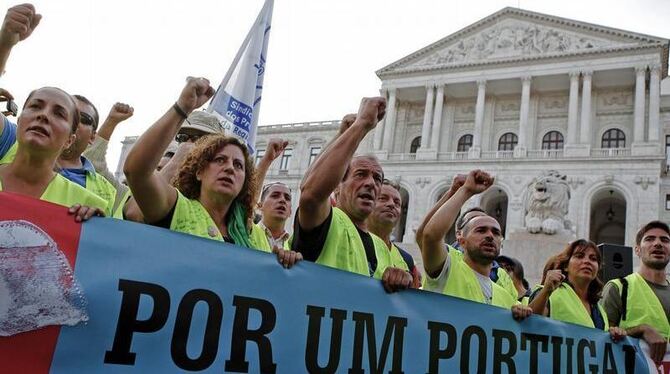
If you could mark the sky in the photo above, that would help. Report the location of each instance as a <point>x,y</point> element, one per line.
<point>321,60</point>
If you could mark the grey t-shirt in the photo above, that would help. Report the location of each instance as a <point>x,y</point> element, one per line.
<point>611,301</point>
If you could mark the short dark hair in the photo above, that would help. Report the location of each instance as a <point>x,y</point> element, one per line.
<point>266,189</point>
<point>461,220</point>
<point>96,116</point>
<point>512,263</point>
<point>650,226</point>
<point>388,182</point>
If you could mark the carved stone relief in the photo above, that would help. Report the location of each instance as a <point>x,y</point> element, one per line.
<point>513,38</point>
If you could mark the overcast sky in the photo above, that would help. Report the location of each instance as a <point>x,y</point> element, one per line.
<point>321,59</point>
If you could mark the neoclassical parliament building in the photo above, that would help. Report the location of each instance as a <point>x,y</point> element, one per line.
<point>516,94</point>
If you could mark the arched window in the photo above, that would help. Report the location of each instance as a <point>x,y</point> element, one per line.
<point>416,143</point>
<point>508,141</point>
<point>614,138</point>
<point>552,140</point>
<point>464,143</point>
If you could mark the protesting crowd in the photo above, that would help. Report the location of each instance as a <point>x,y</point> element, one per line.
<point>208,186</point>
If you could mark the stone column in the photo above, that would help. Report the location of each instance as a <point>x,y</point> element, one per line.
<point>522,146</point>
<point>389,123</point>
<point>654,102</point>
<point>585,125</point>
<point>436,132</point>
<point>476,149</point>
<point>427,116</point>
<point>379,130</point>
<point>638,122</point>
<point>573,102</point>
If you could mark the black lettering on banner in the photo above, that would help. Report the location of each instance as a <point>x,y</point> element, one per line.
<point>498,356</point>
<point>609,364</point>
<point>182,327</point>
<point>365,329</point>
<point>569,342</point>
<point>436,353</point>
<point>629,360</point>
<point>241,335</point>
<point>534,340</point>
<point>481,350</point>
<point>315,314</point>
<point>556,342</point>
<point>128,324</point>
<point>581,347</point>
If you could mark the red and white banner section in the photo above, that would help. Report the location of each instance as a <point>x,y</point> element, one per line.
<point>109,296</point>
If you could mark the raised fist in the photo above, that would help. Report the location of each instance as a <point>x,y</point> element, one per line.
<point>346,122</point>
<point>371,111</point>
<point>553,279</point>
<point>478,181</point>
<point>20,21</point>
<point>120,112</point>
<point>275,148</point>
<point>196,93</point>
<point>457,182</point>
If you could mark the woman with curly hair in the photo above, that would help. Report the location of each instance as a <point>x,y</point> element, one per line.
<point>212,192</point>
<point>571,288</point>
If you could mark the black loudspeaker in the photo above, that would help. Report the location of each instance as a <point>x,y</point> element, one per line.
<point>617,261</point>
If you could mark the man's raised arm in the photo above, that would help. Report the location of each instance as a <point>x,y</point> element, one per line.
<point>324,177</point>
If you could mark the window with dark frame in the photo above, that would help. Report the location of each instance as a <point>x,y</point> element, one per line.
<point>464,143</point>
<point>667,149</point>
<point>285,161</point>
<point>259,155</point>
<point>313,152</point>
<point>667,202</point>
<point>552,140</point>
<point>508,141</point>
<point>613,138</point>
<point>416,143</point>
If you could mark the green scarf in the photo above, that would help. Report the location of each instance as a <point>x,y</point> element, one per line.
<point>237,225</point>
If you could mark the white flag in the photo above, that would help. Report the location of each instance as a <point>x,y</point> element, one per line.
<point>237,101</point>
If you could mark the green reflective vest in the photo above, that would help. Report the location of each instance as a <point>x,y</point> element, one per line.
<point>63,192</point>
<point>462,282</point>
<point>642,306</point>
<point>343,248</point>
<point>100,186</point>
<point>259,240</point>
<point>10,155</point>
<point>506,282</point>
<point>565,305</point>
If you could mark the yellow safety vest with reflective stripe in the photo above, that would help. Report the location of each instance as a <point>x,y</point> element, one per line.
<point>64,192</point>
<point>642,306</point>
<point>462,282</point>
<point>565,305</point>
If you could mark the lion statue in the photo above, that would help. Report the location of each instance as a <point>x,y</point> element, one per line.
<point>546,203</point>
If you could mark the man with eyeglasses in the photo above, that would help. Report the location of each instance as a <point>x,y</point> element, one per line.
<point>77,168</point>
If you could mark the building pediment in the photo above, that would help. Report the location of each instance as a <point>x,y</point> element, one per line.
<point>512,35</point>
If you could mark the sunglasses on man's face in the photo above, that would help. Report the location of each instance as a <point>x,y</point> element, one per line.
<point>181,138</point>
<point>85,119</point>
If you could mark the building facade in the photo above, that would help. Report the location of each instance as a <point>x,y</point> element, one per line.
<point>516,94</point>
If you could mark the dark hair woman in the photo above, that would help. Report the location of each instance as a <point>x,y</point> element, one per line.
<point>571,288</point>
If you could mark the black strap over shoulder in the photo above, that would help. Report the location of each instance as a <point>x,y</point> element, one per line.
<point>624,297</point>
